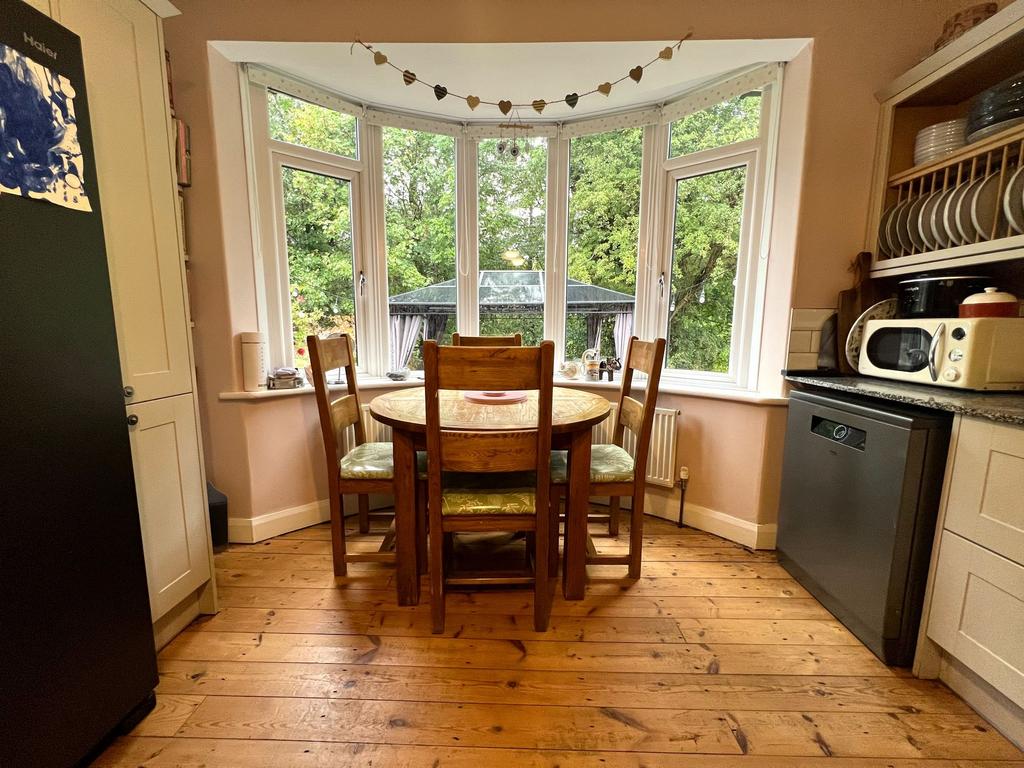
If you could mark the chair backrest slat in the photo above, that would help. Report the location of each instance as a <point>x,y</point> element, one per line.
<point>488,368</point>
<point>338,414</point>
<point>646,357</point>
<point>497,451</point>
<point>515,340</point>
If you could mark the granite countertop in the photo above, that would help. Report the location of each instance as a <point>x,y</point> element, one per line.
<point>1002,407</point>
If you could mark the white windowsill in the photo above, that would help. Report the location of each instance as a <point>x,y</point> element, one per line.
<point>666,388</point>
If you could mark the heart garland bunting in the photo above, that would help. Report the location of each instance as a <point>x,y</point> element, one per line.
<point>506,105</point>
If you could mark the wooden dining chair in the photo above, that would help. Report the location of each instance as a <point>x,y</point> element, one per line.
<point>366,468</point>
<point>515,340</point>
<point>613,472</point>
<point>513,494</point>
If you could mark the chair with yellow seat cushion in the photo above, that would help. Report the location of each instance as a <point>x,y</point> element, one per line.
<point>613,472</point>
<point>367,468</point>
<point>513,494</point>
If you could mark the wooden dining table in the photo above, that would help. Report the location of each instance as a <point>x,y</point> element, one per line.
<point>574,413</point>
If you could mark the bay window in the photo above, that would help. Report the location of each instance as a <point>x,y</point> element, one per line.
<point>397,228</point>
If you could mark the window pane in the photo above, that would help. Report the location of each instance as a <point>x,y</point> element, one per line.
<point>419,213</point>
<point>310,125</point>
<point>318,221</point>
<point>730,121</point>
<point>604,213</point>
<point>512,237</point>
<point>705,248</point>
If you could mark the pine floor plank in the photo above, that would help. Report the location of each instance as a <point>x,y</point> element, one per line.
<point>716,657</point>
<point>229,753</point>
<point>787,693</point>
<point>622,604</point>
<point>597,728</point>
<point>527,654</point>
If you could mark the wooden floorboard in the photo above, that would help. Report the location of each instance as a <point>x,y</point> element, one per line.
<point>716,658</point>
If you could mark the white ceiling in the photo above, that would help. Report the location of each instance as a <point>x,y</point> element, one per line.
<point>519,72</point>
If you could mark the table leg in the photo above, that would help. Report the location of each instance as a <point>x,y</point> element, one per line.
<point>407,573</point>
<point>574,575</point>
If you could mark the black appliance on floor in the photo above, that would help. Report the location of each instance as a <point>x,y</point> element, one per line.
<point>77,659</point>
<point>860,492</point>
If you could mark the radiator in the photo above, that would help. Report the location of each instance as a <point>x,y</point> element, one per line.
<point>661,461</point>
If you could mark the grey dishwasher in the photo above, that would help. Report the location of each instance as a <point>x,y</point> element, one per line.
<point>860,491</point>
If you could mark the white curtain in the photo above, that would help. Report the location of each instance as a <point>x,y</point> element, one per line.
<point>623,330</point>
<point>405,329</point>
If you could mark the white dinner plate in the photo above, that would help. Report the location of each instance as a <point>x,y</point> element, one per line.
<point>1013,201</point>
<point>936,220</point>
<point>949,215</point>
<point>883,237</point>
<point>924,220</point>
<point>914,223</point>
<point>895,246</point>
<point>902,228</point>
<point>963,222</point>
<point>984,204</point>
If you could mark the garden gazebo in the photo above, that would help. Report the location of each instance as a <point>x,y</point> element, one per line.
<point>425,311</point>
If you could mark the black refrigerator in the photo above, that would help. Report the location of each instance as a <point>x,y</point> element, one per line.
<point>77,660</point>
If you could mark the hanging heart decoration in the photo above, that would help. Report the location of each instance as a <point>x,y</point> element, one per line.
<point>505,106</point>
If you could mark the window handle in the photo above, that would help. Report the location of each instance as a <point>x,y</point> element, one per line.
<point>661,285</point>
<point>362,283</point>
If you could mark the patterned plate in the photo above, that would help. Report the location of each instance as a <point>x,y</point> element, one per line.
<point>883,310</point>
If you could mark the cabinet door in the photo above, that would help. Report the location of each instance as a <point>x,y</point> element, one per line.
<point>986,492</point>
<point>977,613</point>
<point>124,64</point>
<point>168,479</point>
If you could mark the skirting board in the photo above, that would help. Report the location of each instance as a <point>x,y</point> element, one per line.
<point>249,530</point>
<point>744,532</point>
<point>1006,716</point>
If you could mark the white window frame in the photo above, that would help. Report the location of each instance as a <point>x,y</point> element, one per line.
<point>266,157</point>
<point>751,268</point>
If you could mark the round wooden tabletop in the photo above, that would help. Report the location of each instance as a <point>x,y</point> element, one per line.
<point>571,410</point>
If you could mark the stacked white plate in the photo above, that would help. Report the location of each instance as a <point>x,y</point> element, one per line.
<point>939,140</point>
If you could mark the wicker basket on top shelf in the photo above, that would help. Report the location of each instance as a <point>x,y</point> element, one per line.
<point>929,208</point>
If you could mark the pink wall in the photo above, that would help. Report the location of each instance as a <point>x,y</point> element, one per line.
<point>264,454</point>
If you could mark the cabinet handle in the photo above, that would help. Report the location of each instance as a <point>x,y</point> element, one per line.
<point>132,420</point>
<point>129,391</point>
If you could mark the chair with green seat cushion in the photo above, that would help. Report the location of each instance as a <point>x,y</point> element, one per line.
<point>513,494</point>
<point>613,472</point>
<point>367,468</point>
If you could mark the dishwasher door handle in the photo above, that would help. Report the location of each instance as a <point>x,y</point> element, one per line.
<point>934,352</point>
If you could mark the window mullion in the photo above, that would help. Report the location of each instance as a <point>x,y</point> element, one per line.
<point>556,255</point>
<point>467,258</point>
<point>372,296</point>
<point>651,302</point>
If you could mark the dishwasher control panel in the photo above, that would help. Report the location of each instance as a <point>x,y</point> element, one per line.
<point>839,432</point>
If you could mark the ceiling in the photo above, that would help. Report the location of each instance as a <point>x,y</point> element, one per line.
<point>519,72</point>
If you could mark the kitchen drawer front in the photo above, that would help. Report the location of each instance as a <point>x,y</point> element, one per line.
<point>986,492</point>
<point>977,613</point>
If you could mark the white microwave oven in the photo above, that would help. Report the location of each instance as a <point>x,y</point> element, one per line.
<point>985,353</point>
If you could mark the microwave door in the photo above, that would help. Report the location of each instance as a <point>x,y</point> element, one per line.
<point>903,349</point>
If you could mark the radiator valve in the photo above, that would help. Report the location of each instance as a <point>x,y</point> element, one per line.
<point>684,478</point>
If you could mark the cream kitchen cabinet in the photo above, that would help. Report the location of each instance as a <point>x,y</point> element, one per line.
<point>973,633</point>
<point>124,63</point>
<point>123,50</point>
<point>168,482</point>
